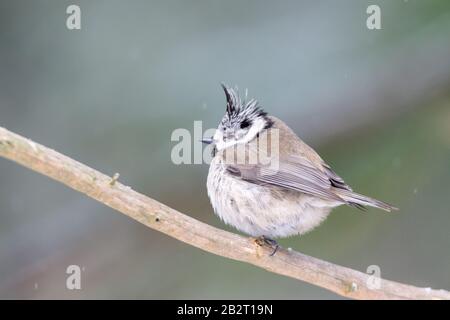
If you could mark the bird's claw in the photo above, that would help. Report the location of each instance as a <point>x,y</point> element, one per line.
<point>265,241</point>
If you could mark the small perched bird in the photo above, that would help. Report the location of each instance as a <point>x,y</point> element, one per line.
<point>290,194</point>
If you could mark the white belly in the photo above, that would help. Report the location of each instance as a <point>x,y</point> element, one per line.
<point>261,210</point>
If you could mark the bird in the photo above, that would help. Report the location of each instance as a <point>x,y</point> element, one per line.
<point>290,193</point>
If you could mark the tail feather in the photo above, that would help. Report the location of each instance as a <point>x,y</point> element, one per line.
<point>360,201</point>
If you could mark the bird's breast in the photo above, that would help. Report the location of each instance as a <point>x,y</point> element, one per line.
<point>261,210</point>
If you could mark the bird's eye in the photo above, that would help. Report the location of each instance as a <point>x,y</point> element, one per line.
<point>245,124</point>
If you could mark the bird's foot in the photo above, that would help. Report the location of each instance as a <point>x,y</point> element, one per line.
<point>265,241</point>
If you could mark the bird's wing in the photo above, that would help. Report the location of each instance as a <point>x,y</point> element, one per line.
<point>303,154</point>
<point>293,173</point>
<point>335,180</point>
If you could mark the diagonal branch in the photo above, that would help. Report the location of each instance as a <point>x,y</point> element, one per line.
<point>341,280</point>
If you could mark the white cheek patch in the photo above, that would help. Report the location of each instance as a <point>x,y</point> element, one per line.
<point>220,144</point>
<point>218,140</point>
<point>256,127</point>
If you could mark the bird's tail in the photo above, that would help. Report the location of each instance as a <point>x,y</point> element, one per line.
<point>360,201</point>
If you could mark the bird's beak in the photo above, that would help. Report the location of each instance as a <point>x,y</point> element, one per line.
<point>207,140</point>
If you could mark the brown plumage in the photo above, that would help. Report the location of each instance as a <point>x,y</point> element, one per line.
<point>266,181</point>
<point>300,168</point>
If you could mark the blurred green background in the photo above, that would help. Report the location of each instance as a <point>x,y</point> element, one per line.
<point>374,104</point>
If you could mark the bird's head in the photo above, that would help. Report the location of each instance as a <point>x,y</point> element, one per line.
<point>242,122</point>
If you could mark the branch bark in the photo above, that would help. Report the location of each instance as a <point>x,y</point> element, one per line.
<point>341,280</point>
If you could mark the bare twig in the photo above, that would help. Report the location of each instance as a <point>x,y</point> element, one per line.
<point>341,280</point>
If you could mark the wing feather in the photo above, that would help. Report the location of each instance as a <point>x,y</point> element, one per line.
<point>293,174</point>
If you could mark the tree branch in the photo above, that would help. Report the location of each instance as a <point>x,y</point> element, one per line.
<point>343,281</point>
